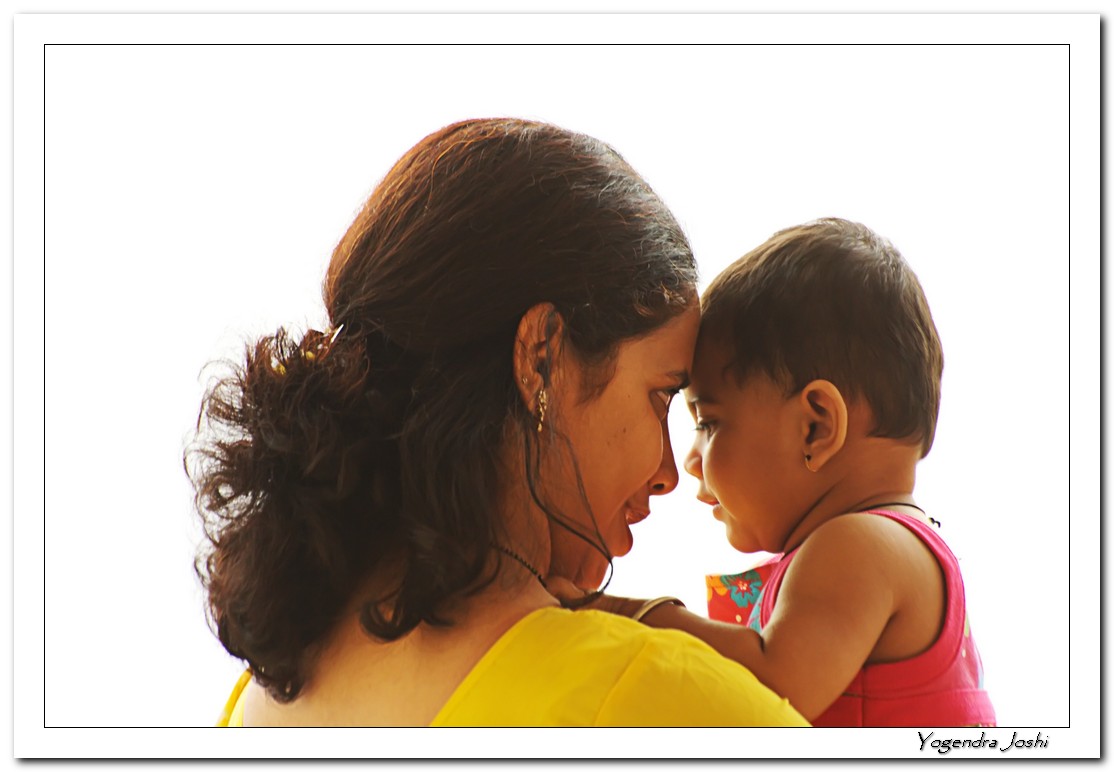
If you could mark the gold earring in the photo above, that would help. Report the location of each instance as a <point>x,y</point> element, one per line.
<point>543,401</point>
<point>807,459</point>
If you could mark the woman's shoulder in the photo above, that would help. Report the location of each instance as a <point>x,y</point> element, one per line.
<point>233,712</point>
<point>676,679</point>
<point>564,668</point>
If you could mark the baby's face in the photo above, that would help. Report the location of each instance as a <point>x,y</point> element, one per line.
<point>747,453</point>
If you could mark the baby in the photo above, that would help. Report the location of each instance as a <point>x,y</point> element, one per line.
<point>815,389</point>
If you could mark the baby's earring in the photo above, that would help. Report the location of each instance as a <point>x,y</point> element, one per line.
<point>808,457</point>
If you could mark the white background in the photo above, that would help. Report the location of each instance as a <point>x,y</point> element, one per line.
<point>193,195</point>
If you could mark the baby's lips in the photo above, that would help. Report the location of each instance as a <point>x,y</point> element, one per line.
<point>706,498</point>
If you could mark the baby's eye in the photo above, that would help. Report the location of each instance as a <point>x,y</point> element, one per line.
<point>705,427</point>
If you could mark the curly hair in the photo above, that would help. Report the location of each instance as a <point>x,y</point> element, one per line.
<point>318,459</point>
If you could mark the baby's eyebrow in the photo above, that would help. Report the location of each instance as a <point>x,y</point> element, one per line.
<point>704,399</point>
<point>698,399</point>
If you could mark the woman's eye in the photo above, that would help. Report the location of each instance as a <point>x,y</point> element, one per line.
<point>666,396</point>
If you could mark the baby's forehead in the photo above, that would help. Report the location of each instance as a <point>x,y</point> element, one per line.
<point>717,371</point>
<point>711,359</point>
<point>712,370</point>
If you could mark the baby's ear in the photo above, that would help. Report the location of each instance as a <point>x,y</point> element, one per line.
<point>823,423</point>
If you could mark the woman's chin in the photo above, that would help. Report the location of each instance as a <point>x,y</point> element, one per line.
<point>592,566</point>
<point>623,543</point>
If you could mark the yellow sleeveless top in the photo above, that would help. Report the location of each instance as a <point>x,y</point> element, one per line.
<point>556,667</point>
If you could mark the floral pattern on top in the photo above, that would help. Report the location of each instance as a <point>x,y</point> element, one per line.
<point>744,588</point>
<point>732,597</point>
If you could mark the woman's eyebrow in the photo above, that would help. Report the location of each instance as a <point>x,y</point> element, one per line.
<point>682,377</point>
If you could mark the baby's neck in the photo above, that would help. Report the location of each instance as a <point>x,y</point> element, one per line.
<point>866,474</point>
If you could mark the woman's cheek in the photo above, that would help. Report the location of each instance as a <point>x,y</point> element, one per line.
<point>652,444</point>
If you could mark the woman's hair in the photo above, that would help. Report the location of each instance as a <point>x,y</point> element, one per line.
<point>832,299</point>
<point>318,459</point>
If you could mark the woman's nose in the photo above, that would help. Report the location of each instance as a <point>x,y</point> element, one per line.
<point>665,478</point>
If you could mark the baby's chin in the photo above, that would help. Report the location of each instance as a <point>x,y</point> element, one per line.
<point>743,542</point>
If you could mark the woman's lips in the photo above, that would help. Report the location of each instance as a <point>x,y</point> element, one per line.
<point>636,515</point>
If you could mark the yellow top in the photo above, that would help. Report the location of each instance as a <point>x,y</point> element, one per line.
<point>587,668</point>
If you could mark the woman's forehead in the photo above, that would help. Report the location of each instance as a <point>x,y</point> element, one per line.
<point>669,348</point>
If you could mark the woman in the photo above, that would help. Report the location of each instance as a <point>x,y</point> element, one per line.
<point>511,313</point>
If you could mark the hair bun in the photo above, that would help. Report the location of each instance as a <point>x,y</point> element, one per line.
<point>298,487</point>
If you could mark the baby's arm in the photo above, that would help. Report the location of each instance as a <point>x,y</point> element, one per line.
<point>841,591</point>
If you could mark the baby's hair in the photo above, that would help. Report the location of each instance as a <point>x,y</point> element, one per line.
<point>833,300</point>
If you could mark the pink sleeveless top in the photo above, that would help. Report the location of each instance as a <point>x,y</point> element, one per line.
<point>942,686</point>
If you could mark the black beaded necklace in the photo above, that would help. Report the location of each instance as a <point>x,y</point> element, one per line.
<point>931,519</point>
<point>521,560</point>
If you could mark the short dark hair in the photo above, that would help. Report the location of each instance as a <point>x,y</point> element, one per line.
<point>833,300</point>
<point>317,459</point>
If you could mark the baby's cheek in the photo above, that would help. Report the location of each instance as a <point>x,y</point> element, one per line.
<point>711,463</point>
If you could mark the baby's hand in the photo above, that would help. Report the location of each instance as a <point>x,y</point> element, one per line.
<point>564,590</point>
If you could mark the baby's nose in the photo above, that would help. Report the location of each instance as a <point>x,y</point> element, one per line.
<point>694,462</point>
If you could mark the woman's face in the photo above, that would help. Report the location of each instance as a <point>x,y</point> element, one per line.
<point>621,442</point>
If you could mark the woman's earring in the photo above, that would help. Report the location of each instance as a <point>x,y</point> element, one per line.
<point>807,459</point>
<point>543,401</point>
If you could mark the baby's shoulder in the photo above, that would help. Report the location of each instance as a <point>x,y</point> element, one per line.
<point>853,532</point>
<point>863,542</point>
<point>856,530</point>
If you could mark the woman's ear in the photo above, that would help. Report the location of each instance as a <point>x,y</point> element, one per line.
<point>823,423</point>
<point>536,347</point>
